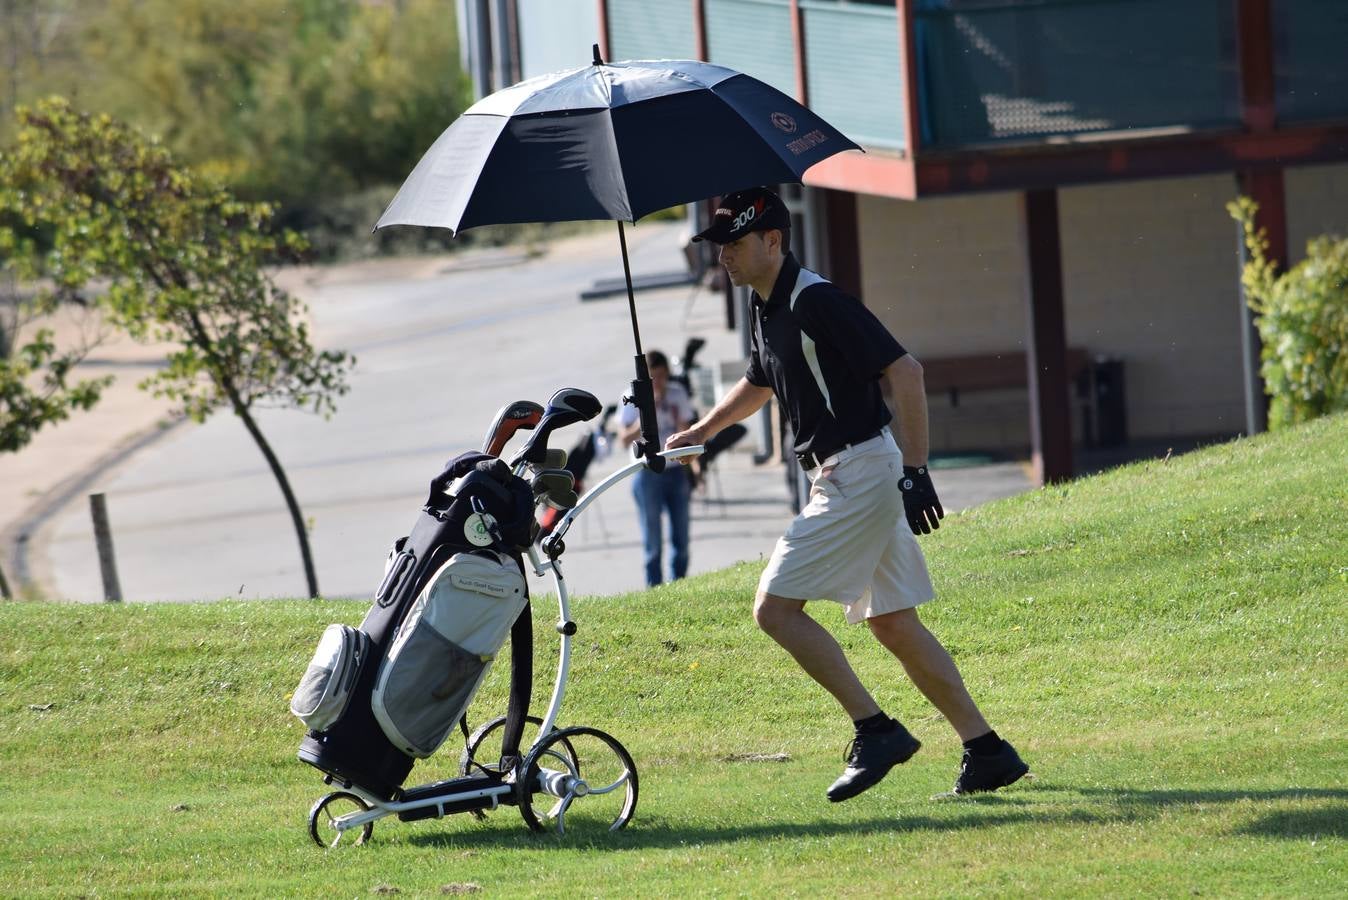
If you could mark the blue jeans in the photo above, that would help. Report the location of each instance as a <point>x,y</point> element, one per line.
<point>667,491</point>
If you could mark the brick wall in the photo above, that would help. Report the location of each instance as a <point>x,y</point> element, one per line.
<point>946,276</point>
<point>1150,278</point>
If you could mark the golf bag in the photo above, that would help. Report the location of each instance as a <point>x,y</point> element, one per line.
<point>377,697</point>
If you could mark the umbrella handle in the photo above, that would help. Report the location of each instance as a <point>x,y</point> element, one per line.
<point>643,398</point>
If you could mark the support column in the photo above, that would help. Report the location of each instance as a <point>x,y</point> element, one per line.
<point>1046,345</point>
<point>798,45</point>
<point>700,29</point>
<point>1259,111</point>
<point>479,61</point>
<point>605,49</point>
<point>505,58</point>
<point>912,96</point>
<point>844,240</point>
<point>1265,187</point>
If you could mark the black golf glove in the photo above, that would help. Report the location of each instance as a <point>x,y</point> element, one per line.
<point>920,503</point>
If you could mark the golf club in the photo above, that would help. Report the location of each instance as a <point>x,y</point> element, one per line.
<point>561,500</point>
<point>566,407</point>
<point>555,488</point>
<point>522,414</point>
<point>550,480</point>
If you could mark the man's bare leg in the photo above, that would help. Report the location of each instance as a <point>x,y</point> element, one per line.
<point>880,743</point>
<point>787,623</point>
<point>931,669</point>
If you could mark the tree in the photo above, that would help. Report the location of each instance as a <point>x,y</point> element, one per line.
<point>289,101</point>
<point>1302,317</point>
<point>172,257</point>
<point>37,387</point>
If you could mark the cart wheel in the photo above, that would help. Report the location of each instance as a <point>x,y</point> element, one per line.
<point>482,752</point>
<point>323,819</point>
<point>587,776</point>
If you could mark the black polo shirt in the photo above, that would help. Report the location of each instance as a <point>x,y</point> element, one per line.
<point>822,352</point>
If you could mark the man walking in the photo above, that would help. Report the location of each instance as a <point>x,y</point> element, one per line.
<point>825,356</point>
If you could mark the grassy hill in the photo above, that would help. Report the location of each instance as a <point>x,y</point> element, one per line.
<point>1165,644</point>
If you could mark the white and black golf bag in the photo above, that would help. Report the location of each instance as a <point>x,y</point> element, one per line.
<point>378,697</point>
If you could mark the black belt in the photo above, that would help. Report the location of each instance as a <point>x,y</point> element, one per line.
<point>814,460</point>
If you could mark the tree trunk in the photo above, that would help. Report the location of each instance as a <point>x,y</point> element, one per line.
<point>224,382</point>
<point>292,504</point>
<point>4,587</point>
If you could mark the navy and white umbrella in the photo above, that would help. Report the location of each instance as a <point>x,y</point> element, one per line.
<point>612,141</point>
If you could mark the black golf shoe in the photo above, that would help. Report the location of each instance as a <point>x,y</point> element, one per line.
<point>980,773</point>
<point>870,757</point>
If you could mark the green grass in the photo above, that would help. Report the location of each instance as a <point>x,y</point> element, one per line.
<point>1165,644</point>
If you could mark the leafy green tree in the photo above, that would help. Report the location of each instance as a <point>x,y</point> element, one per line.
<point>1302,317</point>
<point>172,257</point>
<point>289,101</point>
<point>37,384</point>
<point>37,387</point>
<point>35,43</point>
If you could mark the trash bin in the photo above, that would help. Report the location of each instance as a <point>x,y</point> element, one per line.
<point>1111,408</point>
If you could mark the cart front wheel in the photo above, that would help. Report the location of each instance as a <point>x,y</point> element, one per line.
<point>326,819</point>
<point>583,780</point>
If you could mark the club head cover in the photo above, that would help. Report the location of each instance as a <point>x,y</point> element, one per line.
<point>495,468</point>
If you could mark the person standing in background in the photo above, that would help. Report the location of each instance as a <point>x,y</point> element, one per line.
<point>667,492</point>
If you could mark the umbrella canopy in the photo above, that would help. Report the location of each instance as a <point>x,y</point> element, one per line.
<point>611,141</point>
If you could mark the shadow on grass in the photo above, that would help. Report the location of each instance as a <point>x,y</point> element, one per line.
<point>1043,806</point>
<point>648,834</point>
<point>1328,820</point>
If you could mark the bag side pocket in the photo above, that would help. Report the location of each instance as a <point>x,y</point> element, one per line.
<point>418,712</point>
<point>324,691</point>
<point>444,647</point>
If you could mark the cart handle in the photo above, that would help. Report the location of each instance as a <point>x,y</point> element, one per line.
<point>559,531</point>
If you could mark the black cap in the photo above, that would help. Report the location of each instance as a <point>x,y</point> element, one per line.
<point>743,212</point>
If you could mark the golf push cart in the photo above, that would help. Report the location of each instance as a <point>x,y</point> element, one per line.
<point>378,697</point>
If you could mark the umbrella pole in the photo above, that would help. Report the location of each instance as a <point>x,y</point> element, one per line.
<point>643,392</point>
<point>631,297</point>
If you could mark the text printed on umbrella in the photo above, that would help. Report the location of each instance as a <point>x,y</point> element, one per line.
<point>807,141</point>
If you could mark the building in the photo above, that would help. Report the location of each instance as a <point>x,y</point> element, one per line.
<point>1040,213</point>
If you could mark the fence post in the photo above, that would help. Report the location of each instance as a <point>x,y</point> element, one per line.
<point>107,562</point>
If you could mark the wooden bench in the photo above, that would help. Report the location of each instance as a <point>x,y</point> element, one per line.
<point>954,375</point>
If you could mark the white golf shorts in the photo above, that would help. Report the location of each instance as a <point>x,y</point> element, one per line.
<point>851,543</point>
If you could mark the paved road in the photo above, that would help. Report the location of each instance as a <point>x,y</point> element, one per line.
<point>442,344</point>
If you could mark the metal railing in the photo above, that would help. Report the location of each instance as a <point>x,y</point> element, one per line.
<point>1036,70</point>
